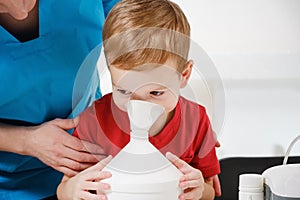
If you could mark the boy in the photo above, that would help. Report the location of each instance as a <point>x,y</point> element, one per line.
<point>146,44</point>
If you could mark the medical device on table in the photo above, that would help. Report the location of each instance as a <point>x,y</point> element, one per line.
<point>276,183</point>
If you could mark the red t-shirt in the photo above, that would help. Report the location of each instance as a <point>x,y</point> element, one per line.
<point>188,134</point>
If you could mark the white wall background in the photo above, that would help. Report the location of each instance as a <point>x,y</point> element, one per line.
<point>255,46</point>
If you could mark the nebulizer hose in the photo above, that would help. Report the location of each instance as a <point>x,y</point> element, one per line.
<point>289,149</point>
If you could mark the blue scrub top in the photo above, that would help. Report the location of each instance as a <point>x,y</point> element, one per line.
<point>43,79</point>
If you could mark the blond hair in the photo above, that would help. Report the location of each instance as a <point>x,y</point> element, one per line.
<point>137,32</point>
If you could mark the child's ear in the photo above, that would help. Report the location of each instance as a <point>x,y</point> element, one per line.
<point>186,73</point>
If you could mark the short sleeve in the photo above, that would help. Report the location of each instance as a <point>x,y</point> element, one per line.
<point>208,165</point>
<point>87,125</point>
<point>205,158</point>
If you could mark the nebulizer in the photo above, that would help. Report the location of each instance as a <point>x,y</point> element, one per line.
<point>139,170</point>
<point>280,182</point>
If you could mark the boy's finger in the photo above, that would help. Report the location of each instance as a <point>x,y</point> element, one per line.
<point>105,161</point>
<point>175,160</point>
<point>96,175</point>
<point>91,196</point>
<point>92,185</point>
<point>190,194</point>
<point>190,184</point>
<point>217,185</point>
<point>100,165</point>
<point>194,175</point>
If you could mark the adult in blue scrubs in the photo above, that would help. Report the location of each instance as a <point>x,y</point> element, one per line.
<point>42,47</point>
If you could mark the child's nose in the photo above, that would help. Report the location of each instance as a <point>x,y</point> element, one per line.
<point>135,96</point>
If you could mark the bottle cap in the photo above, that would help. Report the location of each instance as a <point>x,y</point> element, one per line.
<point>251,182</point>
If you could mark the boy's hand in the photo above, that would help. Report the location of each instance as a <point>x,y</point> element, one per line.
<point>191,182</point>
<point>79,186</point>
<point>216,185</point>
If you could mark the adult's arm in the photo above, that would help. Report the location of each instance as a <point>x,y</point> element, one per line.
<point>50,143</point>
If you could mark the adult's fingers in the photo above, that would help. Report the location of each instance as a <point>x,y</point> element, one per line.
<point>91,147</point>
<point>100,156</point>
<point>18,9</point>
<point>81,145</point>
<point>73,142</point>
<point>67,171</point>
<point>81,151</point>
<point>65,124</point>
<point>15,10</point>
<point>29,4</point>
<point>79,156</point>
<point>75,165</point>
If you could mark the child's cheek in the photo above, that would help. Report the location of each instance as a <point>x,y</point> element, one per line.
<point>120,101</point>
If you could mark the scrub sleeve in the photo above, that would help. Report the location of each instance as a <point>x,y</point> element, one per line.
<point>40,81</point>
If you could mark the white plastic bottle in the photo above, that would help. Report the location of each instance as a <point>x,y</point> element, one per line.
<point>251,187</point>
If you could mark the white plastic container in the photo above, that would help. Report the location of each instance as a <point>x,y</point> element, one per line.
<point>251,187</point>
<point>139,170</point>
<point>283,182</point>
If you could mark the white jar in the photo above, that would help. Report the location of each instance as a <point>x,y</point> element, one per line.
<point>251,187</point>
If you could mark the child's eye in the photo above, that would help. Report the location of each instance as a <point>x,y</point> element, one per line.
<point>157,93</point>
<point>124,92</point>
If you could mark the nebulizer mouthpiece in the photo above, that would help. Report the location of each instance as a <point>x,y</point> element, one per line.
<point>139,170</point>
<point>142,116</point>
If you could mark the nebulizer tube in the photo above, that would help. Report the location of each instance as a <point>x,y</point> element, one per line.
<point>289,150</point>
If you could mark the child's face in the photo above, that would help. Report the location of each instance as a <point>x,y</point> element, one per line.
<point>154,83</point>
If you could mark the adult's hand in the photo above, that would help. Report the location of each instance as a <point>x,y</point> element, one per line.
<point>50,143</point>
<point>18,9</point>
